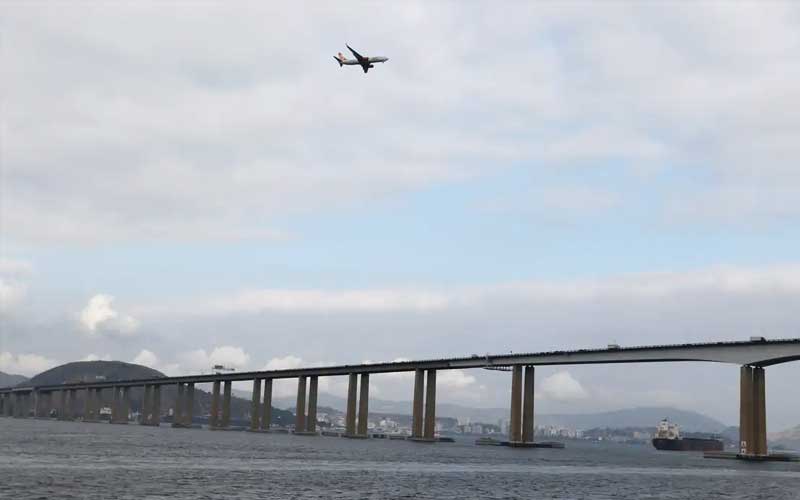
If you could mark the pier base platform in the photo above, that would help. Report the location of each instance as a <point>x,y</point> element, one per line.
<point>543,444</point>
<point>772,457</point>
<point>422,440</point>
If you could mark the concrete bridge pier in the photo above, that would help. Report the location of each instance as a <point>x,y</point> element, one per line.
<point>35,399</point>
<point>87,405</point>
<point>97,403</point>
<point>255,406</point>
<point>155,419</point>
<point>121,405</point>
<point>527,408</point>
<point>20,405</point>
<point>178,408</point>
<point>62,405</point>
<point>3,404</point>
<point>44,402</point>
<point>126,405</point>
<point>423,426</point>
<point>303,423</point>
<point>213,419</point>
<point>515,423</point>
<point>357,428</point>
<point>74,411</point>
<point>306,409</point>
<point>313,393</point>
<point>416,409</point>
<point>363,406</point>
<point>350,414</point>
<point>300,407</point>
<point>226,406</point>
<point>146,411</point>
<point>188,411</point>
<point>115,405</point>
<point>752,412</point>
<point>429,432</point>
<point>266,408</point>
<point>520,430</point>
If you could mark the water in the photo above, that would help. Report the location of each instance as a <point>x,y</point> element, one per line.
<point>70,460</point>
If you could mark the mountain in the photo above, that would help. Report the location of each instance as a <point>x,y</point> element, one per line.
<point>788,439</point>
<point>8,380</point>
<point>689,421</point>
<point>90,371</point>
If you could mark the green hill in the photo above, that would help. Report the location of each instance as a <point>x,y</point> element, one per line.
<point>109,371</point>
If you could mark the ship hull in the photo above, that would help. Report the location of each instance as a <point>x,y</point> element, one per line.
<point>688,444</point>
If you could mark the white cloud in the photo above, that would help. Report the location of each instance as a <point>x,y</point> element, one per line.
<point>454,379</point>
<point>285,363</point>
<point>25,364</point>
<point>229,356</point>
<point>15,267</point>
<point>642,287</point>
<point>146,358</point>
<point>11,294</point>
<point>97,357</point>
<point>630,84</point>
<point>561,386</point>
<point>199,360</point>
<point>321,301</point>
<point>98,317</point>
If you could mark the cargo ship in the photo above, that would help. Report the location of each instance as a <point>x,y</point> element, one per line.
<point>668,437</point>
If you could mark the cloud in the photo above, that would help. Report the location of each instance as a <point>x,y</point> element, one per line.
<point>146,358</point>
<point>11,294</point>
<point>555,202</point>
<point>454,379</point>
<point>230,356</point>
<point>638,86</point>
<point>151,360</point>
<point>327,301</point>
<point>97,357</point>
<point>227,356</point>
<point>561,386</point>
<point>285,363</point>
<point>98,318</point>
<point>11,267</point>
<point>25,364</point>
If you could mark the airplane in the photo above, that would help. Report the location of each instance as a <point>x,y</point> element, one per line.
<point>364,62</point>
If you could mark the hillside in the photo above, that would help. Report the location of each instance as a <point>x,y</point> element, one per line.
<point>788,439</point>
<point>89,371</point>
<point>8,380</point>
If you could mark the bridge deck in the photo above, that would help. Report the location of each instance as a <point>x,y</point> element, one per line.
<point>758,353</point>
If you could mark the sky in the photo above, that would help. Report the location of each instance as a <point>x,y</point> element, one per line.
<point>195,183</point>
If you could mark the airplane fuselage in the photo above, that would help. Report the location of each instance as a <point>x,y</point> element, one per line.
<point>365,62</point>
<point>354,62</point>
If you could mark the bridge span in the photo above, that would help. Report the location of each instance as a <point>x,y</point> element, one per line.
<point>752,356</point>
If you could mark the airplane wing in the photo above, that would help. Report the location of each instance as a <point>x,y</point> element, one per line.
<point>365,67</point>
<point>361,59</point>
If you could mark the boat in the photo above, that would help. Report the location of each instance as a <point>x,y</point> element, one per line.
<point>668,437</point>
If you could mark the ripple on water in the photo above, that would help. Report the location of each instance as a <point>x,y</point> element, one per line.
<point>48,459</point>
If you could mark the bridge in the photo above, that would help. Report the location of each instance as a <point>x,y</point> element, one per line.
<point>752,356</point>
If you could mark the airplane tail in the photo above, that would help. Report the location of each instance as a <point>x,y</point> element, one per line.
<point>339,58</point>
